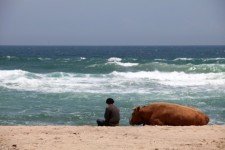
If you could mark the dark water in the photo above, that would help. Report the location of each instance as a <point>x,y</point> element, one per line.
<point>66,85</point>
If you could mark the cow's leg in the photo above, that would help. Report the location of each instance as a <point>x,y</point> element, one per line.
<point>157,122</point>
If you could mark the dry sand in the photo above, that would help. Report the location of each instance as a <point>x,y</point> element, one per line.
<point>210,137</point>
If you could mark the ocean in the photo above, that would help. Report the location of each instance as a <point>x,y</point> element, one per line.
<point>68,85</point>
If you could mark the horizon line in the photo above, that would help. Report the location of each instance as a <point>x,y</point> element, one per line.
<point>116,45</point>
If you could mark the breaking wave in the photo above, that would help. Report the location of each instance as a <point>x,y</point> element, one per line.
<point>117,61</point>
<point>115,82</point>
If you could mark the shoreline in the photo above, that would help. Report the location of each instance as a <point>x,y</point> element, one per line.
<point>111,138</point>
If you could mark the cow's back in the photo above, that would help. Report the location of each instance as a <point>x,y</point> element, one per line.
<point>172,114</point>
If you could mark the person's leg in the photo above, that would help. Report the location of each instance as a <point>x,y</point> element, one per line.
<point>101,122</point>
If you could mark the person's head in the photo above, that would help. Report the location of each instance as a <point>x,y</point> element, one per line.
<point>109,101</point>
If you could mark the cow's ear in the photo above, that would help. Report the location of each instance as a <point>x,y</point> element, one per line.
<point>138,108</point>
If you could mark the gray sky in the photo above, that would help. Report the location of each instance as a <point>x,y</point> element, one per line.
<point>112,22</point>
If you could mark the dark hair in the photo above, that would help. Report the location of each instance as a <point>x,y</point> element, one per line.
<point>109,101</point>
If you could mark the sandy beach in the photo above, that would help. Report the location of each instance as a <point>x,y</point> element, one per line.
<point>210,137</point>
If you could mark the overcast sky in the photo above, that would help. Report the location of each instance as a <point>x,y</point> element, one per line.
<point>112,22</point>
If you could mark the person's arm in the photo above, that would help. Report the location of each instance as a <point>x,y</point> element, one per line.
<point>107,115</point>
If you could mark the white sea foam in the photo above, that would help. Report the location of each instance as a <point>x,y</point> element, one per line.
<point>82,58</point>
<point>125,64</point>
<point>40,58</point>
<point>115,82</point>
<point>117,61</point>
<point>9,57</point>
<point>160,60</point>
<point>177,78</point>
<point>184,59</point>
<point>219,58</point>
<point>201,103</point>
<point>204,59</point>
<point>114,59</point>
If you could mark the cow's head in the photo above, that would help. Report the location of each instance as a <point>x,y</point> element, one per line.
<point>136,118</point>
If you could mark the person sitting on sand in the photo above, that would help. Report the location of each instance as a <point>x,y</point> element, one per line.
<point>112,115</point>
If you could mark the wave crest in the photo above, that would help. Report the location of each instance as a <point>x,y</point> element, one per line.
<point>115,82</point>
<point>117,61</point>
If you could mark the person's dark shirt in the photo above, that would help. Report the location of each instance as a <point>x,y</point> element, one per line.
<point>112,114</point>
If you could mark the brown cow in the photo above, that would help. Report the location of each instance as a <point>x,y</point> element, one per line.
<point>168,114</point>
